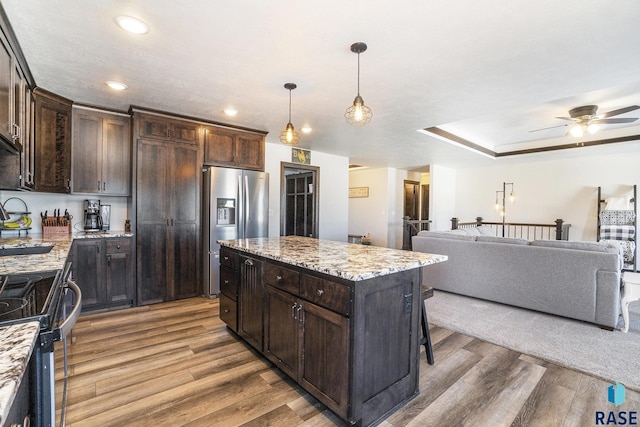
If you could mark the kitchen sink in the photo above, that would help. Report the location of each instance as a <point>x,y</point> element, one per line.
<point>25,250</point>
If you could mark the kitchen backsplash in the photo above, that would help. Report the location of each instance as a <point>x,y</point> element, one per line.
<point>41,202</point>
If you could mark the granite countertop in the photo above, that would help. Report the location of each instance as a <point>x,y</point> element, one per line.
<point>16,345</point>
<point>346,260</point>
<point>51,261</point>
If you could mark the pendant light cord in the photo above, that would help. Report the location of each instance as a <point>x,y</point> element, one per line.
<point>358,74</point>
<point>289,105</point>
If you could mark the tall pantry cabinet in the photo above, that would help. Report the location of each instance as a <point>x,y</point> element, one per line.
<point>166,200</point>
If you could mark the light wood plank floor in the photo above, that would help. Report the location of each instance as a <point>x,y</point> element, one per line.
<point>176,364</point>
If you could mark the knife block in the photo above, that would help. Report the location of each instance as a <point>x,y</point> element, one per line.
<point>56,226</point>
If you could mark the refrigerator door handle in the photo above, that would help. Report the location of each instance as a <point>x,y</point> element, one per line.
<point>246,197</point>
<point>242,207</point>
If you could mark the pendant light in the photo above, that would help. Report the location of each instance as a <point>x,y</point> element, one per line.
<point>289,136</point>
<point>358,114</point>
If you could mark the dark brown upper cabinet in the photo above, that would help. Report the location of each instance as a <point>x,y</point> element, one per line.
<point>234,148</point>
<point>53,142</point>
<point>101,161</point>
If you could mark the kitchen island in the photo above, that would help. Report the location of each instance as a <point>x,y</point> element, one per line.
<point>341,319</point>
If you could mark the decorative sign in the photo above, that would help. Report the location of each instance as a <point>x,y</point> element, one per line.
<point>358,192</point>
<point>298,155</point>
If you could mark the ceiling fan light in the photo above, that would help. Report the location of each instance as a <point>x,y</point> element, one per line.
<point>577,131</point>
<point>593,128</point>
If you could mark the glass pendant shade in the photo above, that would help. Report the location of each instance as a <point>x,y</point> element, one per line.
<point>358,114</point>
<point>289,136</point>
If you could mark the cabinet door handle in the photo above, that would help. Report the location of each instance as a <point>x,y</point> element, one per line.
<point>278,278</point>
<point>293,310</point>
<point>248,261</point>
<point>118,247</point>
<point>300,313</point>
<point>172,222</point>
<point>99,185</point>
<point>16,131</point>
<point>109,261</point>
<point>226,282</point>
<point>320,292</point>
<point>104,185</point>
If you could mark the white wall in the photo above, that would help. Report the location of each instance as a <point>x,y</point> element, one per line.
<point>41,202</point>
<point>442,192</point>
<point>333,190</point>
<point>546,190</point>
<point>380,214</point>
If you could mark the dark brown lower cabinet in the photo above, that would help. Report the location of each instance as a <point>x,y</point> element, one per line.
<point>102,269</point>
<point>310,344</point>
<point>251,301</point>
<point>352,344</point>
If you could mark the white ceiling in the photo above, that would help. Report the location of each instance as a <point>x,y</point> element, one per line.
<point>487,71</point>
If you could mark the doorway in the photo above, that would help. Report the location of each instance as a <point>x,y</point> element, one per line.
<point>411,199</point>
<point>298,200</point>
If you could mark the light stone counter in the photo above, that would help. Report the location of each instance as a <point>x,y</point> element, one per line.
<point>16,345</point>
<point>346,260</point>
<point>52,261</point>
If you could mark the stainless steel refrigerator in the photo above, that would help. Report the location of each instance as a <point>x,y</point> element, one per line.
<point>236,206</point>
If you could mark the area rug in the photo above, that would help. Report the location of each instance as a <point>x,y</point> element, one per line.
<point>609,355</point>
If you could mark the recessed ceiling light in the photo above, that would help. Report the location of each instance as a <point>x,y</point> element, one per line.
<point>306,129</point>
<point>230,111</point>
<point>117,85</point>
<point>132,25</point>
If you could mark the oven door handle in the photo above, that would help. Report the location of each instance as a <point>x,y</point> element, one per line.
<point>70,321</point>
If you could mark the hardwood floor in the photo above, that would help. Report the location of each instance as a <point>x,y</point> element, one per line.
<point>176,364</point>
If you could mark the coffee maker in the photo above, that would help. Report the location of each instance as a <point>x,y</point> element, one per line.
<point>92,218</point>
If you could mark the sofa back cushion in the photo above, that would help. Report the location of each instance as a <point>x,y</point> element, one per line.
<point>498,239</point>
<point>581,246</point>
<point>446,235</point>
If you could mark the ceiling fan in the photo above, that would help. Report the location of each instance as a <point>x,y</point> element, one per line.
<point>584,118</point>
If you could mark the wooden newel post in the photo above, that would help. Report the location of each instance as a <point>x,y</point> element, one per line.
<point>559,223</point>
<point>454,223</point>
<point>406,234</point>
<point>478,221</point>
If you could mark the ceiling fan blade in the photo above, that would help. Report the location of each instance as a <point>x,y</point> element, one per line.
<point>565,118</point>
<point>551,127</point>
<point>619,120</point>
<point>617,112</point>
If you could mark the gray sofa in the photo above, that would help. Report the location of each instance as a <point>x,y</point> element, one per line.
<point>579,280</point>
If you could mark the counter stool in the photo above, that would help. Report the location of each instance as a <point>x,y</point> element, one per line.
<point>427,292</point>
<point>631,293</point>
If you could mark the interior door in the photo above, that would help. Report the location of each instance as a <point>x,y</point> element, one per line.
<point>299,200</point>
<point>411,199</point>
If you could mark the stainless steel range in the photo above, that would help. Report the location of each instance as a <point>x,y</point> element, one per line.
<point>54,301</point>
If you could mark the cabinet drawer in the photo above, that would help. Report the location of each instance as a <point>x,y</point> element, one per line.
<point>229,312</point>
<point>228,258</point>
<point>331,295</point>
<point>118,246</point>
<point>229,282</point>
<point>282,278</point>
